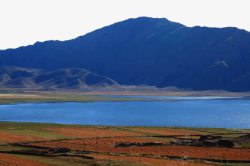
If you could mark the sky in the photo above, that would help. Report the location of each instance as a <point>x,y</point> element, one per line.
<point>23,22</point>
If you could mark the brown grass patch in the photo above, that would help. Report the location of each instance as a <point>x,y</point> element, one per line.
<point>162,131</point>
<point>91,132</point>
<point>106,145</point>
<point>13,138</point>
<point>9,160</point>
<point>148,161</point>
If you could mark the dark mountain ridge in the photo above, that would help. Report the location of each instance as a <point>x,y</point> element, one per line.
<point>149,51</point>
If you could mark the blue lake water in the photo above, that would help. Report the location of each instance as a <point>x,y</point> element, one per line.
<point>178,111</point>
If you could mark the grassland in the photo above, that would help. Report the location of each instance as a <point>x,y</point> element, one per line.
<point>55,144</point>
<point>11,96</point>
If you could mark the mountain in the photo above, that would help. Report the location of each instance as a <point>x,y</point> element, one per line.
<point>149,51</point>
<point>17,77</point>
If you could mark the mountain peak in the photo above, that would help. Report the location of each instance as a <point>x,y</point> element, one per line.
<point>150,21</point>
<point>145,18</point>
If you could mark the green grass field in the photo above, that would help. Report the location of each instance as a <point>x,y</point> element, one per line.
<point>17,98</point>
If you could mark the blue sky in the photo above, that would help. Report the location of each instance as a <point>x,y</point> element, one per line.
<point>24,22</point>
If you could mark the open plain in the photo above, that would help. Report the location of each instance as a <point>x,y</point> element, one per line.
<point>54,144</point>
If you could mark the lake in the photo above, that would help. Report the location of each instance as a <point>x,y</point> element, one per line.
<point>213,112</point>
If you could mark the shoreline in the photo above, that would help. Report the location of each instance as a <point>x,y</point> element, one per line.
<point>13,96</point>
<point>118,126</point>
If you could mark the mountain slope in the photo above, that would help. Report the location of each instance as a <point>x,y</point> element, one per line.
<point>17,77</point>
<point>149,51</point>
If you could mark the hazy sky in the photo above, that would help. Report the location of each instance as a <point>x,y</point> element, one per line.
<point>24,22</point>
